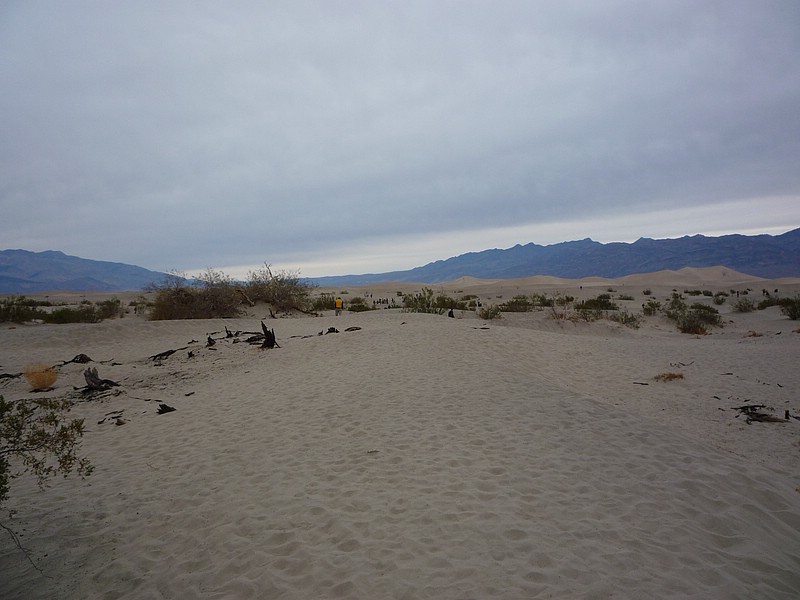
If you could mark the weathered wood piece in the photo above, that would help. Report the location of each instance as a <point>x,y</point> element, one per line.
<point>94,382</point>
<point>269,337</point>
<point>165,354</point>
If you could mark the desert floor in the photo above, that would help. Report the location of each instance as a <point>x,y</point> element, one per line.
<point>419,456</point>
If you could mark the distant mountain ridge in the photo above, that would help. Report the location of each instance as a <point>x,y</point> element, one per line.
<point>763,255</point>
<point>25,272</point>
<point>767,256</point>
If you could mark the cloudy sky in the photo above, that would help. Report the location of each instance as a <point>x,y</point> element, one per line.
<point>339,137</point>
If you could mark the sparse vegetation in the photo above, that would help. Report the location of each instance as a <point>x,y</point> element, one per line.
<point>421,302</point>
<point>19,309</point>
<point>601,302</point>
<point>284,290</point>
<point>36,436</point>
<point>358,304</point>
<point>791,307</point>
<point>490,312</point>
<point>743,305</point>
<point>651,308</point>
<point>695,319</point>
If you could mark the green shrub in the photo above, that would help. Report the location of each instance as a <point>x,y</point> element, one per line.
<point>675,307</point>
<point>39,435</point>
<point>18,309</point>
<point>422,302</point>
<point>323,302</point>
<point>791,307</point>
<point>517,304</point>
<point>85,313</point>
<point>625,318</point>
<point>602,302</point>
<point>542,300</point>
<point>651,308</point>
<point>490,312</point>
<point>744,305</point>
<point>358,304</point>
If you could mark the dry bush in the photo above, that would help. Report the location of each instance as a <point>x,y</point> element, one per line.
<point>40,377</point>
<point>668,376</point>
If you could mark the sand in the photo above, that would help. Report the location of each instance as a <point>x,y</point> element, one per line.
<point>421,456</point>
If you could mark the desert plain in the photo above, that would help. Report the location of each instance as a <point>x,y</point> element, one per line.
<point>417,456</point>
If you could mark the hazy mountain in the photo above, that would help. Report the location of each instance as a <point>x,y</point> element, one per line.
<point>24,272</point>
<point>760,255</point>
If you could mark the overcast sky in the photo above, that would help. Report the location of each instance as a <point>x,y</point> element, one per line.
<point>340,137</point>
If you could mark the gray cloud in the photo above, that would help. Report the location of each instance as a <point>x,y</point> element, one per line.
<point>184,135</point>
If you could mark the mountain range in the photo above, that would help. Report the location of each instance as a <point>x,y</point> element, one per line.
<point>763,255</point>
<point>767,256</point>
<point>25,272</point>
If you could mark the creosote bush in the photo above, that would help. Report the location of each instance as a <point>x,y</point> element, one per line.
<point>791,307</point>
<point>37,436</point>
<point>176,299</point>
<point>284,290</point>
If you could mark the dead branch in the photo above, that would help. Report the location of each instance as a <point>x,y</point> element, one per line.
<point>94,382</point>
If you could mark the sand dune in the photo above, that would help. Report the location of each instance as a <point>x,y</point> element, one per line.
<point>419,457</point>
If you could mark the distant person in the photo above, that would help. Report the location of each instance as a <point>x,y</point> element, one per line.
<point>450,314</point>
<point>338,305</point>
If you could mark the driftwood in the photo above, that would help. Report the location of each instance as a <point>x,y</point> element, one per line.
<point>752,413</point>
<point>269,337</point>
<point>245,296</point>
<point>165,354</point>
<point>94,382</point>
<point>80,359</point>
<point>164,408</point>
<point>10,375</point>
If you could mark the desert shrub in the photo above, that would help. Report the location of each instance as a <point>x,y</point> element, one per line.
<point>601,302</point>
<point>284,290</point>
<point>647,292</point>
<point>108,309</point>
<point>421,302</point>
<point>767,302</point>
<point>625,318</point>
<point>719,298</point>
<point>215,298</point>
<point>675,306</point>
<point>36,436</point>
<point>40,377</point>
<point>692,292</point>
<point>708,293</point>
<point>744,305</point>
<point>19,309</point>
<point>517,304</point>
<point>490,312</point>
<point>651,308</point>
<point>563,300</point>
<point>358,304</point>
<point>85,313</point>
<point>697,319</point>
<point>791,307</point>
<point>323,302</point>
<point>445,302</point>
<point>625,297</point>
<point>541,300</point>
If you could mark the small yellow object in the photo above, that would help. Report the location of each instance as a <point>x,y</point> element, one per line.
<point>40,377</point>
